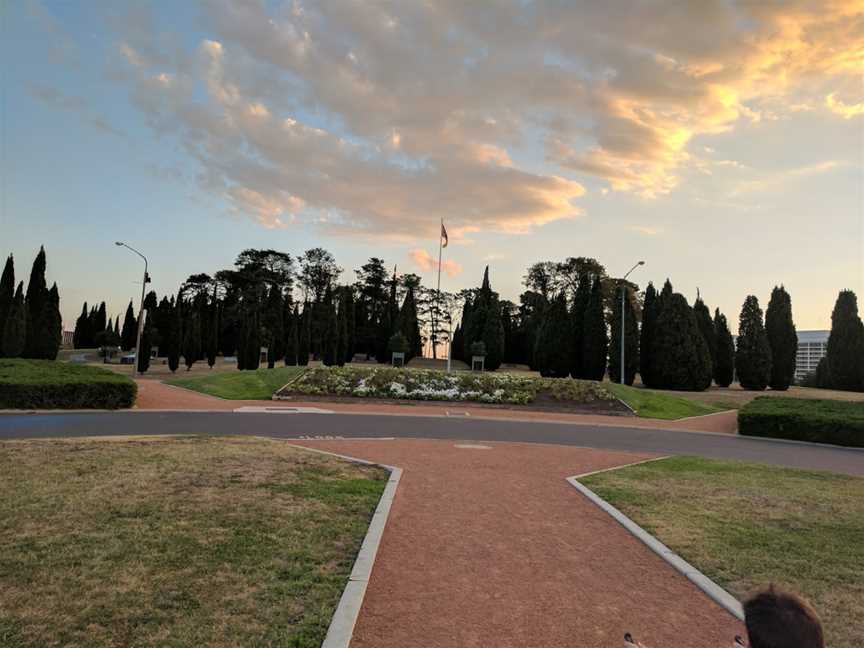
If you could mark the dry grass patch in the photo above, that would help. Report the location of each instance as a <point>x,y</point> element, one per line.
<point>747,525</point>
<point>176,542</point>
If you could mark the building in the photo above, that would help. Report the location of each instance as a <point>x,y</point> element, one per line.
<point>812,346</point>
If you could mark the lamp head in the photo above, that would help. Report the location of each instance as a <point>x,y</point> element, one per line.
<point>641,263</point>
<point>118,242</point>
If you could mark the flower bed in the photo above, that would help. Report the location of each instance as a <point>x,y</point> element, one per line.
<point>430,385</point>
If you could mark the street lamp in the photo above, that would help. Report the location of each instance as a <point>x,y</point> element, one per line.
<point>141,314</point>
<point>623,294</point>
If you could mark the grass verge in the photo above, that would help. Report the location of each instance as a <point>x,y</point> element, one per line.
<point>47,384</point>
<point>239,385</point>
<point>747,525</point>
<point>188,541</point>
<point>820,421</point>
<point>659,405</point>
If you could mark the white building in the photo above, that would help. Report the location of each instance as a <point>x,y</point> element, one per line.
<point>811,349</point>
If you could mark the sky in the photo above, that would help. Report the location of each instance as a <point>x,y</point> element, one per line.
<point>720,141</point>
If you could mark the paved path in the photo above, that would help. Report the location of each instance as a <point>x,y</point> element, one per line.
<point>621,438</point>
<point>492,548</point>
<point>154,395</point>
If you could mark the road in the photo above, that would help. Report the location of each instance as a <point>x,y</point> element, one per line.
<point>297,425</point>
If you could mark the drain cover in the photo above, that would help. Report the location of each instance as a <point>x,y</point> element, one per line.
<point>471,446</point>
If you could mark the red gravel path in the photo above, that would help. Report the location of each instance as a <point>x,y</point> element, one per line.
<point>493,549</point>
<point>156,395</point>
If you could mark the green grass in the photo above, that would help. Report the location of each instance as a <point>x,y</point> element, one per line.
<point>659,405</point>
<point>239,385</point>
<point>747,525</point>
<point>182,542</point>
<point>49,384</point>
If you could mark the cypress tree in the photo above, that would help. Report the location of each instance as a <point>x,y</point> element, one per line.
<point>253,338</point>
<point>845,345</point>
<point>577,326</point>
<point>342,328</point>
<point>753,355</point>
<point>706,327</point>
<point>457,344</point>
<point>212,339</point>
<point>130,329</point>
<point>680,358</point>
<point>150,305</point>
<point>79,335</point>
<point>37,342</point>
<point>292,340</point>
<point>7,294</point>
<point>305,337</point>
<point>631,341</point>
<point>192,336</point>
<point>595,341</point>
<point>551,352</point>
<point>15,328</point>
<point>650,311</point>
<point>330,337</point>
<point>174,334</point>
<point>410,326</point>
<point>274,314</point>
<point>387,324</point>
<point>493,334</point>
<point>724,368</point>
<point>54,325</point>
<point>782,339</point>
<point>351,322</point>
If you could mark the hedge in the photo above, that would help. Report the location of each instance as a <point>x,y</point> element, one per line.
<point>801,419</point>
<point>46,384</point>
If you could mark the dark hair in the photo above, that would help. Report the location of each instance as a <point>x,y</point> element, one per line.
<point>780,620</point>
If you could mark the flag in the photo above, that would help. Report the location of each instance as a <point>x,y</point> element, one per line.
<point>444,238</point>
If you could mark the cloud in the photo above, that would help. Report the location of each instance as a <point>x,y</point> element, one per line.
<point>780,178</point>
<point>427,263</point>
<point>645,230</point>
<point>52,97</point>
<point>382,119</point>
<point>845,110</point>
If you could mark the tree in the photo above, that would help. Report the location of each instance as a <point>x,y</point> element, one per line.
<point>388,323</point>
<point>191,335</point>
<point>753,354</point>
<point>292,340</point>
<point>15,327</point>
<point>724,367</point>
<point>7,293</point>
<point>551,357</point>
<point>143,360</point>
<point>706,327</point>
<point>54,326</point>
<point>482,323</point>
<point>174,334</point>
<point>130,329</point>
<point>371,299</point>
<point>595,341</point>
<point>577,326</point>
<point>680,358</point>
<point>318,271</point>
<point>845,345</point>
<point>782,339</point>
<point>631,341</point>
<point>274,326</point>
<point>211,338</point>
<point>410,326</point>
<point>342,327</point>
<point>38,336</point>
<point>79,336</point>
<point>330,337</point>
<point>305,337</point>
<point>650,312</point>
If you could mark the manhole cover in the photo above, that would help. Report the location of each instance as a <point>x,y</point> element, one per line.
<point>471,446</point>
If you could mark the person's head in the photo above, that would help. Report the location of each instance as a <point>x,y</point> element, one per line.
<point>780,620</point>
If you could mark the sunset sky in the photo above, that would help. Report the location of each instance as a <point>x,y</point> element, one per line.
<point>722,142</point>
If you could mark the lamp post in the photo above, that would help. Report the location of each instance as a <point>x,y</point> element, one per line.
<point>141,314</point>
<point>623,293</point>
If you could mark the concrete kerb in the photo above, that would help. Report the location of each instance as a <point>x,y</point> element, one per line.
<point>716,593</point>
<point>348,610</point>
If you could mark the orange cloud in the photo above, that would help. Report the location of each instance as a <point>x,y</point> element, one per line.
<point>427,263</point>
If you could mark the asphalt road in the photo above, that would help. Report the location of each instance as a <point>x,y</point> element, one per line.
<point>717,446</point>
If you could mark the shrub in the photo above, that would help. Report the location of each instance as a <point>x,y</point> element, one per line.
<point>820,421</point>
<point>45,384</point>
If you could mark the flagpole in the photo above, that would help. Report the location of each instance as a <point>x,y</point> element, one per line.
<point>438,291</point>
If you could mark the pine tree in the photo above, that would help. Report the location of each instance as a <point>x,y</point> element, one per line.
<point>650,311</point>
<point>782,339</point>
<point>551,352</point>
<point>724,368</point>
<point>15,328</point>
<point>577,326</point>
<point>706,327</point>
<point>680,358</point>
<point>37,342</point>
<point>595,341</point>
<point>753,354</point>
<point>845,345</point>
<point>631,341</point>
<point>130,329</point>
<point>411,326</point>
<point>292,340</point>
<point>7,294</point>
<point>174,334</point>
<point>305,341</point>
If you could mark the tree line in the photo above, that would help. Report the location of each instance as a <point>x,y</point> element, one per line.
<point>30,323</point>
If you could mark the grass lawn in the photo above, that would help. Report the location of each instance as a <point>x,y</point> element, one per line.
<point>50,384</point>
<point>239,385</point>
<point>187,541</point>
<point>660,405</point>
<point>747,525</point>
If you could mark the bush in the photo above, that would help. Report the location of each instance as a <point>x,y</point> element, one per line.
<point>820,421</point>
<point>46,384</point>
